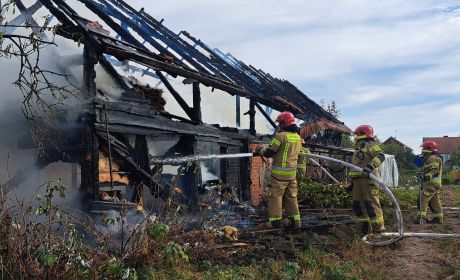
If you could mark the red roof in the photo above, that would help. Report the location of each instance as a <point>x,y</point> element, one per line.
<point>446,145</point>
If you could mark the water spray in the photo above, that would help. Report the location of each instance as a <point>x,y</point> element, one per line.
<point>175,160</point>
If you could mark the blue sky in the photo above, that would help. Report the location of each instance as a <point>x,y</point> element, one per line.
<point>394,64</point>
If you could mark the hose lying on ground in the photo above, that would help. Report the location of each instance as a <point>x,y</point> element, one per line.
<point>396,236</point>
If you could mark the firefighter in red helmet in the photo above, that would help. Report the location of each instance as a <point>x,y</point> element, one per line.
<point>432,182</point>
<point>284,149</point>
<point>368,155</point>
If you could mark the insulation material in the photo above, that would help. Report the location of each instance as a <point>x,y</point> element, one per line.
<point>320,126</point>
<point>389,171</point>
<point>153,95</point>
<point>104,170</point>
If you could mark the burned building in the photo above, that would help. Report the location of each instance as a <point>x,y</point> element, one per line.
<point>117,136</point>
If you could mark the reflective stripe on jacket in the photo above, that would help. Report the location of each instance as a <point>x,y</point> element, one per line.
<point>367,152</point>
<point>286,147</point>
<point>432,167</point>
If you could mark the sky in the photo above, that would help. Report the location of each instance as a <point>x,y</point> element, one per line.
<point>393,64</point>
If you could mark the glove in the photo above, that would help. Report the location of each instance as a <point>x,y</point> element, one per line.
<point>419,176</point>
<point>258,152</point>
<point>426,177</point>
<point>367,171</point>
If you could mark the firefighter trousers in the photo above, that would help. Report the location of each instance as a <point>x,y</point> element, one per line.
<point>366,205</point>
<point>283,193</point>
<point>431,198</point>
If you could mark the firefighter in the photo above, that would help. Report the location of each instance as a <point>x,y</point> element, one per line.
<point>367,155</point>
<point>284,149</point>
<point>431,176</point>
<point>303,159</point>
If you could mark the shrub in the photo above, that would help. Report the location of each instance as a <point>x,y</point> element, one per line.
<point>174,254</point>
<point>204,266</point>
<point>319,195</point>
<point>291,271</point>
<point>406,197</point>
<point>158,230</point>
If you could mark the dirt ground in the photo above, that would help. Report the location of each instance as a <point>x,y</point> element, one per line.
<point>426,258</point>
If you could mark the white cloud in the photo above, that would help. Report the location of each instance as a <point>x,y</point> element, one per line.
<point>393,64</point>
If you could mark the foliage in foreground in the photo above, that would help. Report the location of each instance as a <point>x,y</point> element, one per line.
<point>39,239</point>
<point>317,195</point>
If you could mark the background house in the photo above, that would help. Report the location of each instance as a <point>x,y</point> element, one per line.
<point>393,141</point>
<point>446,145</point>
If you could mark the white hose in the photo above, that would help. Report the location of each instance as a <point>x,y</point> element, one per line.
<point>396,236</point>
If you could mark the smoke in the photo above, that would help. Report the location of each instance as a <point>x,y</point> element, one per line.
<point>217,107</point>
<point>20,165</point>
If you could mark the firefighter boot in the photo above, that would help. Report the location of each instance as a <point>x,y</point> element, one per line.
<point>290,223</point>
<point>436,220</point>
<point>366,228</point>
<point>419,221</point>
<point>267,225</point>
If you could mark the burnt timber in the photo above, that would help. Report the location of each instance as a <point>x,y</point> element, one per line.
<point>145,41</point>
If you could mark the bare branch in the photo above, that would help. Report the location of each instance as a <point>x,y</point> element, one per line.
<point>44,90</point>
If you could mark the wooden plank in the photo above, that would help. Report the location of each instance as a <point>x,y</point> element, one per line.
<point>182,103</point>
<point>252,117</point>
<point>197,102</point>
<point>156,122</point>
<point>269,119</point>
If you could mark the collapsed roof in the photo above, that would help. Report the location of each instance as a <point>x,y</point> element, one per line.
<point>161,50</point>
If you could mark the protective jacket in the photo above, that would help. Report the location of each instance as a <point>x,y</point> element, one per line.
<point>432,169</point>
<point>432,172</point>
<point>366,205</point>
<point>284,149</point>
<point>368,153</point>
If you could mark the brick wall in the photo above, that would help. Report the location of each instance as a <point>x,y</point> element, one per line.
<point>258,174</point>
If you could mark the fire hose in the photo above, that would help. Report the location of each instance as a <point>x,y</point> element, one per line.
<point>396,236</point>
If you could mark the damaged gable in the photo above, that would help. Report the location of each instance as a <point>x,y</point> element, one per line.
<point>120,135</point>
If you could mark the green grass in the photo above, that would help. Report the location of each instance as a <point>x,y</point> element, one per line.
<point>270,269</point>
<point>456,190</point>
<point>311,262</point>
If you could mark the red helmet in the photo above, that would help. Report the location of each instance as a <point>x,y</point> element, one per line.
<point>364,131</point>
<point>287,118</point>
<point>430,145</point>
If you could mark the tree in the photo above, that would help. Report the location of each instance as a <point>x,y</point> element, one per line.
<point>43,90</point>
<point>403,156</point>
<point>454,160</point>
<point>347,142</point>
<point>330,108</point>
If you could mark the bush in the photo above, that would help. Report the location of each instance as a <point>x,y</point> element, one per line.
<point>204,266</point>
<point>406,197</point>
<point>157,230</point>
<point>174,254</point>
<point>320,195</point>
<point>291,271</point>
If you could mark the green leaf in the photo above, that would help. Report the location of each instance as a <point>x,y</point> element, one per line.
<point>48,260</point>
<point>158,230</point>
